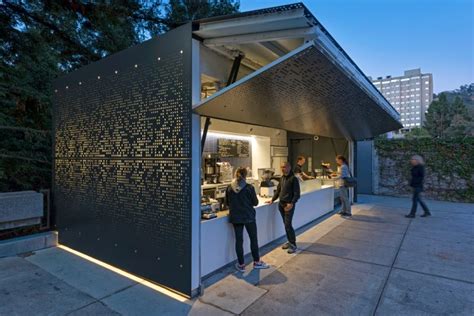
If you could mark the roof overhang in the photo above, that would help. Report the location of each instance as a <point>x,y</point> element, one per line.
<point>312,90</point>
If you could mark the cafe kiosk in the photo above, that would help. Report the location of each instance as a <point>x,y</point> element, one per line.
<point>148,138</point>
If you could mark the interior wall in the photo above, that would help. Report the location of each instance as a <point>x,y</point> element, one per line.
<point>265,137</point>
<point>260,154</point>
<point>211,146</point>
<point>322,149</point>
<point>277,137</point>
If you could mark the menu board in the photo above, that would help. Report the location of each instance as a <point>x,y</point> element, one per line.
<point>233,148</point>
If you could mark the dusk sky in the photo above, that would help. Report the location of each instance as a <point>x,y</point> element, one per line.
<point>386,37</point>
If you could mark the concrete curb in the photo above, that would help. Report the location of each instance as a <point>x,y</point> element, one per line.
<point>15,246</point>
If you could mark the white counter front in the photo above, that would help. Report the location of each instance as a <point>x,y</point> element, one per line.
<point>217,235</point>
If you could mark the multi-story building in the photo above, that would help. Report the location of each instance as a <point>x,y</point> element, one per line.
<point>410,94</point>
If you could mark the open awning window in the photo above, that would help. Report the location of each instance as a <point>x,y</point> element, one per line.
<point>305,91</point>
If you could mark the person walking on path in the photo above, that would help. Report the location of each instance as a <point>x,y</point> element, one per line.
<point>288,191</point>
<point>241,199</point>
<point>343,189</point>
<point>416,182</point>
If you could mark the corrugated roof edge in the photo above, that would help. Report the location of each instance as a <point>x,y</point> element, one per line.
<point>289,7</point>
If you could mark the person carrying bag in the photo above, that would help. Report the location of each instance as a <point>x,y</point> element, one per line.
<point>346,181</point>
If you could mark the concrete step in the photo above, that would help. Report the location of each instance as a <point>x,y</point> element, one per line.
<point>19,245</point>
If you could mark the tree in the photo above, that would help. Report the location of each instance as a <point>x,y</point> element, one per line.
<point>183,11</point>
<point>41,39</point>
<point>438,116</point>
<point>448,119</point>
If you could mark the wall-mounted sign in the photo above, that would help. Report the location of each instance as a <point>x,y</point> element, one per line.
<point>233,148</point>
<point>279,151</point>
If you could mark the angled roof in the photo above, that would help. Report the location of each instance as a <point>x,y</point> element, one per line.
<point>303,80</point>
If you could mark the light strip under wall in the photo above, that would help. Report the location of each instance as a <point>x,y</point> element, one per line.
<point>130,276</point>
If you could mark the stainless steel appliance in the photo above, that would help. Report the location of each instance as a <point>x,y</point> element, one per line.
<point>211,169</point>
<point>220,195</point>
<point>267,186</point>
<point>209,207</point>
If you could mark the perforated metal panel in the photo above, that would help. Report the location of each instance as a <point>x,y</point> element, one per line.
<point>302,92</point>
<point>122,171</point>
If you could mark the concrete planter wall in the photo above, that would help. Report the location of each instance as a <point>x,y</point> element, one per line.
<point>18,209</point>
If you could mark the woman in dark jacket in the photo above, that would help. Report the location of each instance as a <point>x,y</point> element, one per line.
<point>416,182</point>
<point>241,199</point>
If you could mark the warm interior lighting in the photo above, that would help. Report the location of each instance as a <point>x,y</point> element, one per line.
<point>230,136</point>
<point>132,277</point>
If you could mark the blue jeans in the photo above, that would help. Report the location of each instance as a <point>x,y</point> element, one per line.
<point>345,203</point>
<point>417,199</point>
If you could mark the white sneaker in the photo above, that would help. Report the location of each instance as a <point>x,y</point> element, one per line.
<point>260,265</point>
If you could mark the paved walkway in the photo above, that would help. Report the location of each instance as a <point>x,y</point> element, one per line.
<point>378,263</point>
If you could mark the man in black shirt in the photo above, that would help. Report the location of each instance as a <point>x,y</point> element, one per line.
<point>300,161</point>
<point>288,191</point>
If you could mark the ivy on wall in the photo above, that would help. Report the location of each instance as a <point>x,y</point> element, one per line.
<point>449,166</point>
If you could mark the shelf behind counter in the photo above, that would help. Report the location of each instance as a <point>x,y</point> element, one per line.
<point>217,234</point>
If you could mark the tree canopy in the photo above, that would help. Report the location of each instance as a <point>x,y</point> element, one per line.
<point>449,119</point>
<point>40,39</point>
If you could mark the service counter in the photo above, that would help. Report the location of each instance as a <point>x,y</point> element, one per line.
<point>217,234</point>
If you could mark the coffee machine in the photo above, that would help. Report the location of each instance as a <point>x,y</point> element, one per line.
<point>267,186</point>
<point>211,168</point>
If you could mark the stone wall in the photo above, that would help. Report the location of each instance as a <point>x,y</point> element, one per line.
<point>449,167</point>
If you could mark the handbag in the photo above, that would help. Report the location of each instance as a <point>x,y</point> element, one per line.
<point>350,182</point>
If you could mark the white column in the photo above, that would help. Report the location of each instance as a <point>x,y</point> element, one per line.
<point>195,174</point>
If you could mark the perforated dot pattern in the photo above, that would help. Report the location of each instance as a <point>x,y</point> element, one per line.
<point>122,171</point>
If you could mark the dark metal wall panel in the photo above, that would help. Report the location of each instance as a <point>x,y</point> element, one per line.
<point>364,166</point>
<point>305,92</point>
<point>122,170</point>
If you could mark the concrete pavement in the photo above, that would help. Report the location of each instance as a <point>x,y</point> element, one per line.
<point>376,263</point>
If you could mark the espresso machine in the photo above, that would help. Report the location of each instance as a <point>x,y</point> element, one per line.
<point>267,186</point>
<point>211,168</point>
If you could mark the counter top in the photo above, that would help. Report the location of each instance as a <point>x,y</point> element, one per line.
<point>262,200</point>
<point>218,237</point>
<point>215,185</point>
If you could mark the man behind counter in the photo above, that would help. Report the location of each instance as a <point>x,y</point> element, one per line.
<point>300,161</point>
<point>288,191</point>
